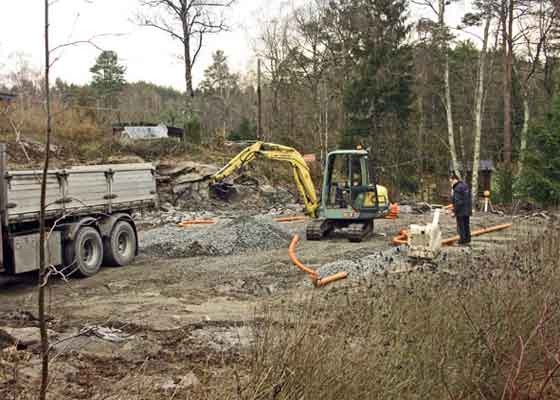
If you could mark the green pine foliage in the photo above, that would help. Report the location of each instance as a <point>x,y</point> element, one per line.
<point>108,77</point>
<point>380,90</point>
<point>540,179</point>
<point>247,130</point>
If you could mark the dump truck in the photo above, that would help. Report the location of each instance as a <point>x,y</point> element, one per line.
<point>88,216</point>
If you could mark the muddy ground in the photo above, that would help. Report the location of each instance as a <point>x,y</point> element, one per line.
<point>177,328</point>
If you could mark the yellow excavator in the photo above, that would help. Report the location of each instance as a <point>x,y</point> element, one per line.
<point>350,197</point>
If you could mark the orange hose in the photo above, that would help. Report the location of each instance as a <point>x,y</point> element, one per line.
<point>478,232</point>
<point>196,222</point>
<point>296,262</point>
<point>401,238</point>
<point>291,219</point>
<point>313,275</point>
<point>330,279</point>
<point>393,211</point>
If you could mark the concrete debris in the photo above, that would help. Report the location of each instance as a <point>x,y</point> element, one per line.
<point>105,333</point>
<point>235,236</point>
<point>362,268</point>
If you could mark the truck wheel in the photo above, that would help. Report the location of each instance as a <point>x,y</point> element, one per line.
<point>120,246</point>
<point>85,253</point>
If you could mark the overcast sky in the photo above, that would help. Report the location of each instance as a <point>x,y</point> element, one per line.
<point>148,54</point>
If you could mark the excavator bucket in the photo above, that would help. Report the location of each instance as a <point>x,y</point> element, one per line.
<point>222,190</point>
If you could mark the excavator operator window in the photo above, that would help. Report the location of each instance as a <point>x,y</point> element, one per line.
<point>338,181</point>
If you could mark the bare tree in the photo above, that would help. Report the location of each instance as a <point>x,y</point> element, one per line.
<point>189,22</point>
<point>479,103</point>
<point>507,17</point>
<point>274,51</point>
<point>535,30</point>
<point>42,232</point>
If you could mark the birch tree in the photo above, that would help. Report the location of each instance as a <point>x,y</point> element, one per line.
<point>487,15</point>
<point>443,37</point>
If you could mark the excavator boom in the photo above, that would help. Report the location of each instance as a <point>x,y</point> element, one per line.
<point>276,152</point>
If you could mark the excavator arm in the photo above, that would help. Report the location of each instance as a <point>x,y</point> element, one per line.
<point>276,152</point>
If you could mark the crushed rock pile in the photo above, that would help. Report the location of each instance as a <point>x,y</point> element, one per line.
<point>380,262</point>
<point>236,236</point>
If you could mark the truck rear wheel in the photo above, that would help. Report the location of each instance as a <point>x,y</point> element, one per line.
<point>85,253</point>
<point>120,246</point>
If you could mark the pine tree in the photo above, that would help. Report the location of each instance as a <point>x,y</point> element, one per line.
<point>378,91</point>
<point>108,78</point>
<point>541,172</point>
<point>218,80</point>
<point>220,84</point>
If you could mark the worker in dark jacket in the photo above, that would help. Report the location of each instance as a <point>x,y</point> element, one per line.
<point>462,208</point>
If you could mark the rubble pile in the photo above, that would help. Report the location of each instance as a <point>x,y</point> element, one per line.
<point>185,185</point>
<point>186,180</point>
<point>227,237</point>
<point>380,262</point>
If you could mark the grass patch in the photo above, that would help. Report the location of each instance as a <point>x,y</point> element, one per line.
<point>490,332</point>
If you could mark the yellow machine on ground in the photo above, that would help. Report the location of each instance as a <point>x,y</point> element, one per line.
<point>277,152</point>
<point>350,197</point>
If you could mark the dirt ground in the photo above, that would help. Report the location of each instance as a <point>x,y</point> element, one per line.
<point>175,328</point>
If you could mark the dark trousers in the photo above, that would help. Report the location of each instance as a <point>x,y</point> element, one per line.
<point>464,229</point>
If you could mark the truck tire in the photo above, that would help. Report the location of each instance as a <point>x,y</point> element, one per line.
<point>85,253</point>
<point>120,246</point>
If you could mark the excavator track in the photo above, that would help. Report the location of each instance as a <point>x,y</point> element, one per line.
<point>358,231</point>
<point>317,229</point>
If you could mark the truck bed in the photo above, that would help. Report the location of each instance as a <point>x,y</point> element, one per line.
<point>78,190</point>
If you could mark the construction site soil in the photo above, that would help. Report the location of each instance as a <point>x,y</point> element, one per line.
<point>178,320</point>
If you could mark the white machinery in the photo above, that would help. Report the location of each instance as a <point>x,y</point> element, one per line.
<point>424,241</point>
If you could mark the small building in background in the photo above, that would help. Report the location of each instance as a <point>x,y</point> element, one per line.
<point>145,131</point>
<point>485,170</point>
<point>436,187</point>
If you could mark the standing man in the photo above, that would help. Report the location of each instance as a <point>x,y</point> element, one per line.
<point>461,198</point>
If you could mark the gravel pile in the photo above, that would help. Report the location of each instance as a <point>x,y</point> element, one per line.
<point>360,268</point>
<point>240,235</point>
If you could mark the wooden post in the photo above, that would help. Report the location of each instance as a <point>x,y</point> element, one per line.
<point>259,102</point>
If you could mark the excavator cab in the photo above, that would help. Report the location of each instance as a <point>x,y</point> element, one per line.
<point>350,197</point>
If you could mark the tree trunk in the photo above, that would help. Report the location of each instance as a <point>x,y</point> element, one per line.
<point>448,103</point>
<point>479,110</point>
<point>42,233</point>
<point>326,152</point>
<point>259,102</point>
<point>524,132</point>
<point>449,113</point>
<point>462,146</point>
<point>508,76</point>
<point>190,131</point>
<point>420,142</point>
